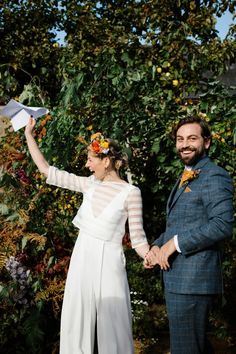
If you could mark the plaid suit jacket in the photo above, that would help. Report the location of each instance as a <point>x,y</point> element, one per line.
<point>201,214</point>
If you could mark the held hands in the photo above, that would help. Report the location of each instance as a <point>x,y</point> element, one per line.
<point>151,258</point>
<point>160,256</point>
<point>30,126</point>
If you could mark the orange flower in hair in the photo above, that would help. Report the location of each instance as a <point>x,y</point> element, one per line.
<point>99,145</point>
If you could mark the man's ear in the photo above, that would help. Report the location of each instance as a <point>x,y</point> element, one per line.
<point>207,143</point>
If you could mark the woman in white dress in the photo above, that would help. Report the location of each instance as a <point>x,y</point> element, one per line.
<point>97,292</point>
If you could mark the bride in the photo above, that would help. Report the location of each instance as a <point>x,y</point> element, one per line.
<point>97,292</point>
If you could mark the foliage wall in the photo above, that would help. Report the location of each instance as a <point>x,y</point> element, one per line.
<point>130,69</point>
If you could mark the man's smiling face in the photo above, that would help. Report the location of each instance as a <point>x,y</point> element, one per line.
<point>190,144</point>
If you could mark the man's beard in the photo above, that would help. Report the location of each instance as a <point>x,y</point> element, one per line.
<point>190,161</point>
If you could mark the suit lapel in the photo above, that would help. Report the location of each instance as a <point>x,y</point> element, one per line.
<point>172,195</point>
<point>176,192</point>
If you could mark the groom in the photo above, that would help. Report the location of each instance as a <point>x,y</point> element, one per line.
<point>199,217</point>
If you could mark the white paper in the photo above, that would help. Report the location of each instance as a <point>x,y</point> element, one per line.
<point>19,113</point>
<point>20,120</point>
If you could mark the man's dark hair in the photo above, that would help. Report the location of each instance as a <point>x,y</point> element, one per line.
<point>205,129</point>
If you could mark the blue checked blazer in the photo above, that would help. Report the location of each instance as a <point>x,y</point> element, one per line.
<point>201,214</point>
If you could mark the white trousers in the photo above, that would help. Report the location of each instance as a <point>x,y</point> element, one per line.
<point>96,292</point>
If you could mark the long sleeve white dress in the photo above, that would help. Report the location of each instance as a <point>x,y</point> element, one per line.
<point>97,291</point>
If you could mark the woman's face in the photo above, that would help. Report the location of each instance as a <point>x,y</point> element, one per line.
<point>96,165</point>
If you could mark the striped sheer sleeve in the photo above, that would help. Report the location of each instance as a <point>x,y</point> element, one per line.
<point>68,180</point>
<point>135,217</point>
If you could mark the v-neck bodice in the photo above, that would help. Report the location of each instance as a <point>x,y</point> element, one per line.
<point>105,208</point>
<point>109,223</point>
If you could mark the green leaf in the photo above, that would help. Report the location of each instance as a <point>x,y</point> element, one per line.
<point>24,241</point>
<point>156,147</point>
<point>4,210</point>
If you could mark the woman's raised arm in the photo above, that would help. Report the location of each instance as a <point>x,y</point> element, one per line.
<point>36,154</point>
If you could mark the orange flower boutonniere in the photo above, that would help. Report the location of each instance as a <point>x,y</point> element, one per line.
<point>188,175</point>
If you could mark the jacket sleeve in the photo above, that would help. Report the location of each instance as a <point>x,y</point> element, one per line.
<point>217,199</point>
<point>159,241</point>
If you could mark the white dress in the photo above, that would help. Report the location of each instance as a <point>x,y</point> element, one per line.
<point>97,291</point>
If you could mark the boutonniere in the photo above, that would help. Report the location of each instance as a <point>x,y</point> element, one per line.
<point>188,175</point>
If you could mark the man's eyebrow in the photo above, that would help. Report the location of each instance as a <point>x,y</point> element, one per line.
<point>189,136</point>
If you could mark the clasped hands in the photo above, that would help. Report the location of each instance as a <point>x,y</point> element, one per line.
<point>160,255</point>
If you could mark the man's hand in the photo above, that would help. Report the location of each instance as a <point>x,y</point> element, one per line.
<point>165,252</point>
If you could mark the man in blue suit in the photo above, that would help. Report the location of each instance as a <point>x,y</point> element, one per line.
<point>199,217</point>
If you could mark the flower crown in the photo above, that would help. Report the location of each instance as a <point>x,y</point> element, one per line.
<point>99,145</point>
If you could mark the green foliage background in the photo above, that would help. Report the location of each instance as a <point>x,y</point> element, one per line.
<point>130,69</point>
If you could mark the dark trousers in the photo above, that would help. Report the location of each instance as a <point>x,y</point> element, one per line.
<point>188,318</point>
